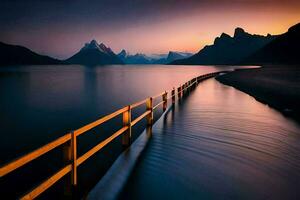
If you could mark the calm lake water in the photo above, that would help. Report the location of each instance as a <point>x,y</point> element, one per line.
<point>40,103</point>
<point>219,143</point>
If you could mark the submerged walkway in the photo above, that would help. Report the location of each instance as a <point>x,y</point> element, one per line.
<point>218,143</point>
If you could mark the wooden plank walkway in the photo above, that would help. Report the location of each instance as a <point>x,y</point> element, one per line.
<point>208,147</point>
<point>116,178</point>
<point>69,141</point>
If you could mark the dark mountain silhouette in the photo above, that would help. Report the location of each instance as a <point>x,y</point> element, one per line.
<point>134,59</point>
<point>161,60</point>
<point>144,59</point>
<point>227,49</point>
<point>122,55</point>
<point>18,55</point>
<point>94,54</point>
<point>282,50</point>
<point>173,55</point>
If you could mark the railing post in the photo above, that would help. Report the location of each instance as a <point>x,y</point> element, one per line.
<point>165,100</point>
<point>186,87</point>
<point>70,157</point>
<point>69,141</point>
<point>173,96</point>
<point>179,92</point>
<point>74,158</point>
<point>149,105</point>
<point>126,137</point>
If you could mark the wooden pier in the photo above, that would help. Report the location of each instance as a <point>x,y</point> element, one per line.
<point>69,140</point>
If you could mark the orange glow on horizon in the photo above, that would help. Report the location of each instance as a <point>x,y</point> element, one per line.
<point>192,32</point>
<point>187,30</point>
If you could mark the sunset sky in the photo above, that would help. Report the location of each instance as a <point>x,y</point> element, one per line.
<point>60,28</point>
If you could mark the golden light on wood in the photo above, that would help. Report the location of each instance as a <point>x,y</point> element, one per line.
<point>165,100</point>
<point>74,158</point>
<point>173,96</point>
<point>99,146</point>
<point>149,107</point>
<point>47,183</point>
<point>140,117</point>
<point>99,121</point>
<point>179,92</point>
<point>70,140</point>
<point>126,137</point>
<point>33,155</point>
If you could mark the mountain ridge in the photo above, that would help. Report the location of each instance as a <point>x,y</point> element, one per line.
<point>140,58</point>
<point>94,54</point>
<point>19,55</point>
<point>241,48</point>
<point>227,49</point>
<point>282,50</point>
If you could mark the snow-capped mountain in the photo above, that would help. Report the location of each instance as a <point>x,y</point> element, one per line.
<point>95,54</point>
<point>94,45</point>
<point>134,59</point>
<point>140,58</point>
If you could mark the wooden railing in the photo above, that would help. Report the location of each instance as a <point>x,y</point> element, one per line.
<point>69,140</point>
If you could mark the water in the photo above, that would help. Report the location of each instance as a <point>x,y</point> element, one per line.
<point>219,143</point>
<point>40,103</point>
<point>235,140</point>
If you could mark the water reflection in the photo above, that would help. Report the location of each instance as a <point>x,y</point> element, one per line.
<point>57,99</point>
<point>41,103</point>
<point>219,143</point>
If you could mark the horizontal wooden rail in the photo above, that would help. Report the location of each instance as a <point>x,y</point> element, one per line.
<point>158,95</point>
<point>190,85</point>
<point>140,117</point>
<point>138,104</point>
<point>156,106</point>
<point>99,146</point>
<point>33,155</point>
<point>47,183</point>
<point>170,97</point>
<point>70,140</point>
<point>99,121</point>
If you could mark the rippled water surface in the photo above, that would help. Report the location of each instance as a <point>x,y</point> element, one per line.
<point>40,103</point>
<point>219,143</point>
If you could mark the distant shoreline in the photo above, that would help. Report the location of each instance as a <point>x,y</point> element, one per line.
<point>277,86</point>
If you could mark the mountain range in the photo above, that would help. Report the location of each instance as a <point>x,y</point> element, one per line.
<point>94,54</point>
<point>18,55</point>
<point>247,49</point>
<point>282,50</point>
<point>243,48</point>
<point>228,50</point>
<point>151,59</point>
<point>172,56</point>
<point>91,53</point>
<point>134,59</point>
